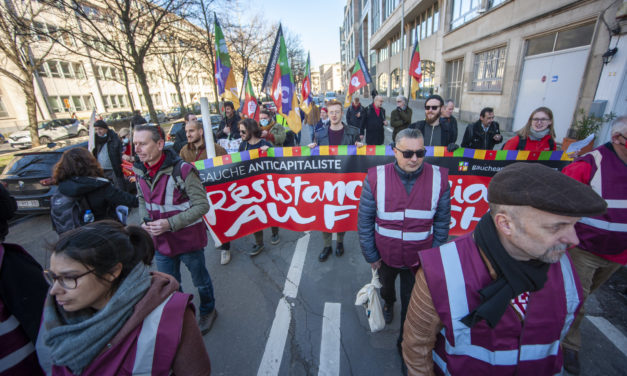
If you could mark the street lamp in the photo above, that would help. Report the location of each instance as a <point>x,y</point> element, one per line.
<point>609,54</point>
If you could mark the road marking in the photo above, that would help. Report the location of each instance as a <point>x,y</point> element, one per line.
<point>614,335</point>
<point>330,342</point>
<point>273,353</point>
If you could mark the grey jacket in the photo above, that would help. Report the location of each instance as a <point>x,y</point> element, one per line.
<point>321,135</point>
<point>368,212</point>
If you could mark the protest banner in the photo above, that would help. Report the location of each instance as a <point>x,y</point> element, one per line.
<point>318,189</point>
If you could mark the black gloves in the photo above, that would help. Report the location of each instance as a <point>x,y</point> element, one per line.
<point>452,147</point>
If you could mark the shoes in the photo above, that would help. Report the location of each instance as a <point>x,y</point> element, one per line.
<point>225,257</point>
<point>339,249</point>
<point>571,361</point>
<point>388,313</point>
<point>274,240</point>
<point>326,251</point>
<point>206,321</point>
<point>257,248</point>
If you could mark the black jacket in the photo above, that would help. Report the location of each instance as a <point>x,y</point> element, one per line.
<point>232,123</point>
<point>351,116</point>
<point>373,125</point>
<point>449,132</point>
<point>8,206</point>
<point>476,138</point>
<point>114,147</point>
<point>100,194</point>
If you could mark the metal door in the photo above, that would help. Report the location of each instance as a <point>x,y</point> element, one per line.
<point>552,80</point>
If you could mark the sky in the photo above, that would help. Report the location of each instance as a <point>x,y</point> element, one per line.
<point>317,23</point>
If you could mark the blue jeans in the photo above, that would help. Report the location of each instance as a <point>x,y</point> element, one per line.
<point>195,262</point>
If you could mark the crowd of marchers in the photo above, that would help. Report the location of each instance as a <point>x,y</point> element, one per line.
<point>504,299</point>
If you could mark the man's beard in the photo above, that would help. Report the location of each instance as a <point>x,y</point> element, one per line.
<point>553,254</point>
<point>432,119</point>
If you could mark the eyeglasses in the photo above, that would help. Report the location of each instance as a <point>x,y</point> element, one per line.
<point>540,120</point>
<point>66,282</point>
<point>407,154</point>
<point>433,108</point>
<point>242,132</point>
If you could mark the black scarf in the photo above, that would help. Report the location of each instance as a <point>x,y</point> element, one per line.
<point>513,277</point>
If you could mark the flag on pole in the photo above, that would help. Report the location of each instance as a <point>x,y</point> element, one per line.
<point>415,70</point>
<point>251,105</point>
<point>305,91</point>
<point>359,79</point>
<point>225,79</point>
<point>283,89</point>
<point>91,141</point>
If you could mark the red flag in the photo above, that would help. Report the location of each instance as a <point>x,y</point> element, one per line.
<point>251,105</point>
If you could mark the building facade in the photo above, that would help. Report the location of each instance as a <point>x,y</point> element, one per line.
<point>511,55</point>
<point>331,78</point>
<point>69,83</point>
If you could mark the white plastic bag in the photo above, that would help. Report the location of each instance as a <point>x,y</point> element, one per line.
<point>369,298</point>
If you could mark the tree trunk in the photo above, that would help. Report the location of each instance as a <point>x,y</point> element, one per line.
<point>177,86</point>
<point>31,109</point>
<point>141,77</point>
<point>128,89</point>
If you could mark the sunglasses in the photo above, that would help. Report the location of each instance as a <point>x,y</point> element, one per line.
<point>407,154</point>
<point>433,108</point>
<point>242,132</point>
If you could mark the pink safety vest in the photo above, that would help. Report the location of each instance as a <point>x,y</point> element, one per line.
<point>148,350</point>
<point>455,272</point>
<point>404,223</point>
<point>607,233</point>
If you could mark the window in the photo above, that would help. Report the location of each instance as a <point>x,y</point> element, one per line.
<point>436,17</point>
<point>89,101</point>
<point>78,103</point>
<point>561,40</point>
<point>488,70</point>
<point>42,70</point>
<point>65,69</point>
<point>107,101</point>
<point>54,69</point>
<point>429,21</point>
<point>396,46</point>
<point>382,83</point>
<point>464,11</point>
<point>66,103</point>
<point>39,31</point>
<point>427,83</point>
<point>454,79</point>
<point>79,71</point>
<point>55,104</point>
<point>389,5</point>
<point>383,54</point>
<point>107,73</point>
<point>376,16</point>
<point>98,70</point>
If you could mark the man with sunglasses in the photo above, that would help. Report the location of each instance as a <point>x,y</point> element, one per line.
<point>405,207</point>
<point>603,239</point>
<point>435,132</point>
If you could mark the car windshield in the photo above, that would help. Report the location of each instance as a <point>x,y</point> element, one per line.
<point>330,94</point>
<point>35,165</point>
<point>43,124</point>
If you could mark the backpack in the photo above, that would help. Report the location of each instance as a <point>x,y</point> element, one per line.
<point>66,212</point>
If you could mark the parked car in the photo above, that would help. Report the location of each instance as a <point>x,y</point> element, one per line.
<point>180,124</point>
<point>329,95</point>
<point>49,131</point>
<point>28,178</point>
<point>118,120</point>
<point>160,116</point>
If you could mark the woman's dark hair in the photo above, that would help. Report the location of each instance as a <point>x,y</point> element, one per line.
<point>251,127</point>
<point>76,162</point>
<point>103,244</point>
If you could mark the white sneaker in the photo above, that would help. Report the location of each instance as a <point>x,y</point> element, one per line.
<point>225,257</point>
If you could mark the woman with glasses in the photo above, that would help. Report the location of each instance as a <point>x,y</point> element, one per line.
<point>108,314</point>
<point>537,135</point>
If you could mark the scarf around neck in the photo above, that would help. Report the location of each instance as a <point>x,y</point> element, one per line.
<point>513,277</point>
<point>76,338</point>
<point>536,136</point>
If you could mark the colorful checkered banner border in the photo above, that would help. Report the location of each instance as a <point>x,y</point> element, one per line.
<point>303,189</point>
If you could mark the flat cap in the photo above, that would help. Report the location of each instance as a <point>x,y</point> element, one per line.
<point>543,188</point>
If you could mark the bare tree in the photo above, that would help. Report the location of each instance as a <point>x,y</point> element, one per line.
<point>24,48</point>
<point>176,63</point>
<point>126,31</point>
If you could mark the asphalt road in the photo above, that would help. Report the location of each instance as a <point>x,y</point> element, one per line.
<point>284,312</point>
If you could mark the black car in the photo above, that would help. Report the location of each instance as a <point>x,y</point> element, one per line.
<point>28,179</point>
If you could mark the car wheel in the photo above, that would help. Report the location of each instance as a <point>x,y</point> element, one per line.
<point>44,140</point>
<point>82,133</point>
